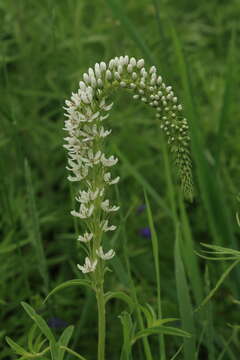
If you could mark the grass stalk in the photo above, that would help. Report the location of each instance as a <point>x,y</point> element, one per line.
<point>157,272</point>
<point>146,346</point>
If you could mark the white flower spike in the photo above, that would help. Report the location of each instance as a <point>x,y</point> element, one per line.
<point>85,112</point>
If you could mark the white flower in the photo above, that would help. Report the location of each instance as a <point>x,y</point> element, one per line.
<point>107,256</point>
<point>104,117</point>
<point>86,78</point>
<point>105,206</point>
<point>111,64</point>
<point>100,83</point>
<point>97,70</point>
<point>90,72</point>
<point>130,68</point>
<point>86,237</point>
<point>80,172</point>
<point>93,81</point>
<point>133,61</point>
<point>106,228</point>
<point>103,66</point>
<point>108,75</point>
<point>103,133</point>
<point>152,69</point>
<point>83,197</point>
<point>140,63</point>
<point>108,180</point>
<point>108,162</point>
<point>88,266</point>
<point>93,116</point>
<point>86,196</point>
<point>117,75</point>
<point>95,158</point>
<point>84,211</point>
<point>82,85</point>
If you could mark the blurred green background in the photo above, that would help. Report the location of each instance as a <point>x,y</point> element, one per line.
<point>45,48</point>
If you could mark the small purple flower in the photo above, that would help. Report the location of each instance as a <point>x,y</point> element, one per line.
<point>56,323</point>
<point>145,232</point>
<point>141,208</point>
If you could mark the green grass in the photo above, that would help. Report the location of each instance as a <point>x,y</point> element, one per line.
<point>45,47</point>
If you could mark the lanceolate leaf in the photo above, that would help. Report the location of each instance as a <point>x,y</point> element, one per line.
<point>127,326</point>
<point>184,300</point>
<point>74,282</point>
<point>120,295</point>
<point>166,330</point>
<point>17,348</point>
<point>64,340</point>
<point>40,322</point>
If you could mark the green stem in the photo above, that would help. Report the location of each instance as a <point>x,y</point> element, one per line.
<point>101,322</point>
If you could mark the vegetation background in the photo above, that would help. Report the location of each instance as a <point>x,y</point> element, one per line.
<point>45,47</point>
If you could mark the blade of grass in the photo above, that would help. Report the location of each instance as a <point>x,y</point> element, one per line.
<point>133,291</point>
<point>218,284</point>
<point>142,181</point>
<point>226,348</point>
<point>211,188</point>
<point>127,326</point>
<point>177,353</point>
<point>65,348</point>
<point>133,33</point>
<point>87,306</point>
<point>227,97</point>
<point>190,259</point>
<point>157,272</point>
<point>163,44</point>
<point>207,178</point>
<point>35,229</point>
<point>209,319</point>
<point>184,301</point>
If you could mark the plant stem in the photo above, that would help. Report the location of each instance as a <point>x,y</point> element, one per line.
<point>101,322</point>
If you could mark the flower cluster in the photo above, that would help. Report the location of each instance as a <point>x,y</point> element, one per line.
<point>86,111</point>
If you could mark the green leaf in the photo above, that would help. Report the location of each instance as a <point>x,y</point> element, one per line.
<point>54,349</point>
<point>74,282</point>
<point>72,352</point>
<point>64,340</point>
<point>166,330</point>
<point>155,250</point>
<point>189,258</point>
<point>149,314</point>
<point>177,353</point>
<point>184,300</point>
<point>31,336</point>
<point>35,231</point>
<point>17,348</point>
<point>219,283</point>
<point>145,184</point>
<point>39,321</point>
<point>6,248</point>
<point>209,181</point>
<point>127,327</point>
<point>220,250</point>
<point>131,30</point>
<point>120,295</point>
<point>160,322</point>
<point>230,84</point>
<point>127,277</point>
